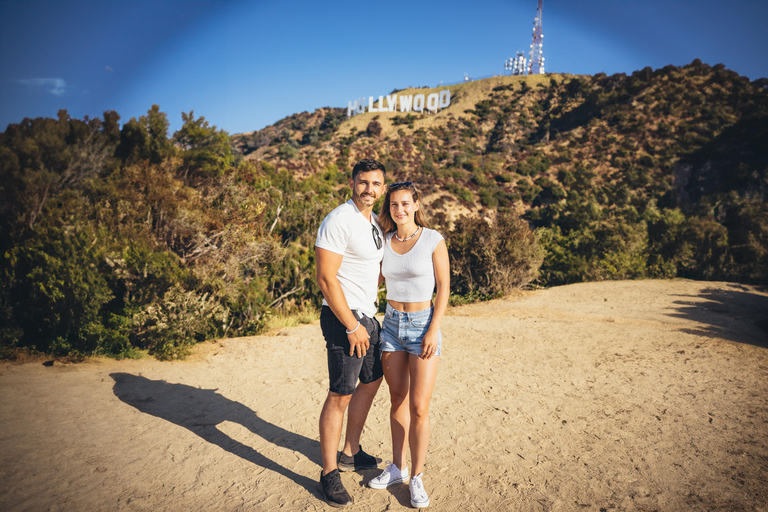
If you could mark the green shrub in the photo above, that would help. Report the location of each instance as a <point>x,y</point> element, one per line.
<point>169,327</point>
<point>373,129</point>
<point>562,264</point>
<point>460,192</point>
<point>488,197</point>
<point>493,258</point>
<point>287,152</point>
<point>618,251</point>
<point>54,292</point>
<point>528,191</point>
<point>470,297</point>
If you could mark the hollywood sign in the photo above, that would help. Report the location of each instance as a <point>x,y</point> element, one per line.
<point>408,102</point>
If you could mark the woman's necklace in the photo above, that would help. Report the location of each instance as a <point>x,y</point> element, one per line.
<point>408,238</point>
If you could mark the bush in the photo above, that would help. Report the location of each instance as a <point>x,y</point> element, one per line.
<point>53,294</point>
<point>287,152</point>
<point>373,129</point>
<point>491,259</point>
<point>169,327</point>
<point>460,192</point>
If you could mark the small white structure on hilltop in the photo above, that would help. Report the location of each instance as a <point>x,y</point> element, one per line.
<point>516,65</point>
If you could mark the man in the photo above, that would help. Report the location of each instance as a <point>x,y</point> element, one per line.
<point>348,252</point>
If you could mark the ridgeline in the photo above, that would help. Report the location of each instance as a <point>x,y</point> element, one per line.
<point>118,240</point>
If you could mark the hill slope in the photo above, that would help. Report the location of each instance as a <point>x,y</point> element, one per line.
<point>117,239</point>
<point>663,161</point>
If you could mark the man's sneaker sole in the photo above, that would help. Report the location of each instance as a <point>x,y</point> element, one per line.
<point>422,505</point>
<point>351,467</point>
<point>375,485</point>
<point>325,498</point>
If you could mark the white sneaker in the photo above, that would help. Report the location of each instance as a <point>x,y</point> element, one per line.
<point>390,476</point>
<point>419,498</point>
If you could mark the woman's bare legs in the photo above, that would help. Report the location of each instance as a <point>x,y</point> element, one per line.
<point>423,373</point>
<point>398,379</point>
<point>411,381</point>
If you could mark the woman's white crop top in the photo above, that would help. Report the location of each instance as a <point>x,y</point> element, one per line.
<point>410,277</point>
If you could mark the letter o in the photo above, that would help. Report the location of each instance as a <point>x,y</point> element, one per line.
<point>432,101</point>
<point>418,103</point>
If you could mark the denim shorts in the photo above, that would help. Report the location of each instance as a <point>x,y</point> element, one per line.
<point>404,331</point>
<point>345,370</point>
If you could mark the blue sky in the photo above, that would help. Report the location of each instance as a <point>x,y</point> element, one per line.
<point>247,64</point>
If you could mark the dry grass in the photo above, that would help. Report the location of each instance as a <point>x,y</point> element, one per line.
<point>464,97</point>
<point>283,320</point>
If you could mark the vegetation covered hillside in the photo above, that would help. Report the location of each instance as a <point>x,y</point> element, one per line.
<point>118,239</point>
<point>659,174</point>
<point>122,240</point>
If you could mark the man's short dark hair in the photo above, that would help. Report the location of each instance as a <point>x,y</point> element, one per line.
<point>366,165</point>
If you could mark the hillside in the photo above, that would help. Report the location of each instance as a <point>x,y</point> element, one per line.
<point>618,165</point>
<point>125,239</point>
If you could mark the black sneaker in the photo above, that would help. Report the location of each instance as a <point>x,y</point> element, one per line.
<point>333,490</point>
<point>358,461</point>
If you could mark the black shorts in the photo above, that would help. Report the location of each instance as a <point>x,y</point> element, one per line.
<point>344,370</point>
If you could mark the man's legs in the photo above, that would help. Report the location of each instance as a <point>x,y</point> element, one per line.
<point>343,372</point>
<point>331,420</point>
<point>359,406</point>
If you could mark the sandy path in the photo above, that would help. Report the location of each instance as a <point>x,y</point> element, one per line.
<point>643,395</point>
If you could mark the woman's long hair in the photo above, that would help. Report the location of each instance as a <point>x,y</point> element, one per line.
<point>385,218</point>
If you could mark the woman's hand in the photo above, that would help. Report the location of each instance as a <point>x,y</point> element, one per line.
<point>429,343</point>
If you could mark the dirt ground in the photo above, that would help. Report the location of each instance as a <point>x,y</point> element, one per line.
<point>636,395</point>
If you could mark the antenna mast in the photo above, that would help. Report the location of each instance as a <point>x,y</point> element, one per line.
<point>536,62</point>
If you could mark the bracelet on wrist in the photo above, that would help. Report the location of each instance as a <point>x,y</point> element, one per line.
<point>353,330</point>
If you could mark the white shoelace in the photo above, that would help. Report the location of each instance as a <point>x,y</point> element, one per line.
<point>392,469</point>
<point>418,493</point>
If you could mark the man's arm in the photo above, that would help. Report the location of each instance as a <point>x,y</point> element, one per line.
<point>328,263</point>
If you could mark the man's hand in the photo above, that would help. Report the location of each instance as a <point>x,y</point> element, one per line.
<point>328,264</point>
<point>358,341</point>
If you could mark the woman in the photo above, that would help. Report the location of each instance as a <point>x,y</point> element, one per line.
<point>415,263</point>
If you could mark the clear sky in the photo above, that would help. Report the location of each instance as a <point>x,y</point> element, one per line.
<point>247,64</point>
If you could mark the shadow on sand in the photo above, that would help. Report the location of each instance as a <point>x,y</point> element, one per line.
<point>201,410</point>
<point>738,314</point>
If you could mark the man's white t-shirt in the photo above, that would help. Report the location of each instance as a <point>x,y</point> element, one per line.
<point>347,232</point>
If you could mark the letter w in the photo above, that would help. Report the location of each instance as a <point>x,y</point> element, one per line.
<point>406,102</point>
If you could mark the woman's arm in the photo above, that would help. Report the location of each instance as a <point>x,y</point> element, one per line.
<point>443,285</point>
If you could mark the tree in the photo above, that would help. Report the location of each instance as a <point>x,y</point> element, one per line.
<point>206,150</point>
<point>157,127</point>
<point>111,126</point>
<point>146,138</point>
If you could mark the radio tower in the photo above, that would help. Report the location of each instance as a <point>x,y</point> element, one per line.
<point>536,62</point>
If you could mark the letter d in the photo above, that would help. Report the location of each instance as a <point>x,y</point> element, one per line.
<point>445,98</point>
